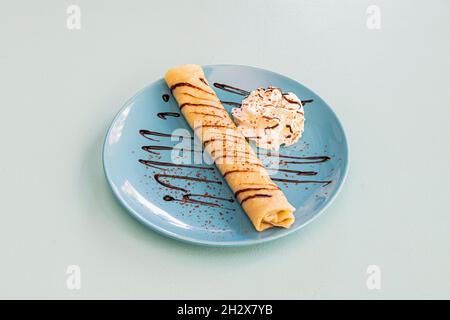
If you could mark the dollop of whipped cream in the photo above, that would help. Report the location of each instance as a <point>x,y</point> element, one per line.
<point>270,117</point>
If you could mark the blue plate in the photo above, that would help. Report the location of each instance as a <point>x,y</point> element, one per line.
<point>135,186</point>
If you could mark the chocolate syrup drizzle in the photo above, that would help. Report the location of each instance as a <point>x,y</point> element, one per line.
<point>158,177</point>
<point>164,115</point>
<point>297,172</point>
<point>228,88</point>
<point>150,149</point>
<point>242,92</point>
<point>159,164</point>
<point>156,164</point>
<point>231,103</point>
<point>204,81</point>
<point>146,134</point>
<point>257,195</point>
<point>254,189</point>
<point>188,197</point>
<point>200,105</point>
<point>187,84</point>
<point>324,182</point>
<point>314,159</point>
<point>311,159</point>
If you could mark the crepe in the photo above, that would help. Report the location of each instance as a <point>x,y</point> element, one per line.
<point>262,200</point>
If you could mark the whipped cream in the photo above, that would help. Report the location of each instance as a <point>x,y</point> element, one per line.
<point>270,118</point>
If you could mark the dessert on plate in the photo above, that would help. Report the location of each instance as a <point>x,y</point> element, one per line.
<point>262,200</point>
<point>270,118</point>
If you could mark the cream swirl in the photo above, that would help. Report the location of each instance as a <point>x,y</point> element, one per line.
<point>270,118</point>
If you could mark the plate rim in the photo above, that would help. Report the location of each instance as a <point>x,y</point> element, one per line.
<point>208,243</point>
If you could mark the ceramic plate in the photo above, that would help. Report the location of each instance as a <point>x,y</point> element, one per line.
<point>140,144</point>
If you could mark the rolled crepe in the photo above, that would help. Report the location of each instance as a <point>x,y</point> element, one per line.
<point>262,200</point>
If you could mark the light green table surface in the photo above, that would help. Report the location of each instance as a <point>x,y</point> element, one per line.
<point>61,88</point>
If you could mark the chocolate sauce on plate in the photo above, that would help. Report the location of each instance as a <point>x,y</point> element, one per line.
<point>162,178</point>
<point>164,115</point>
<point>158,177</point>
<point>147,133</point>
<point>157,164</point>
